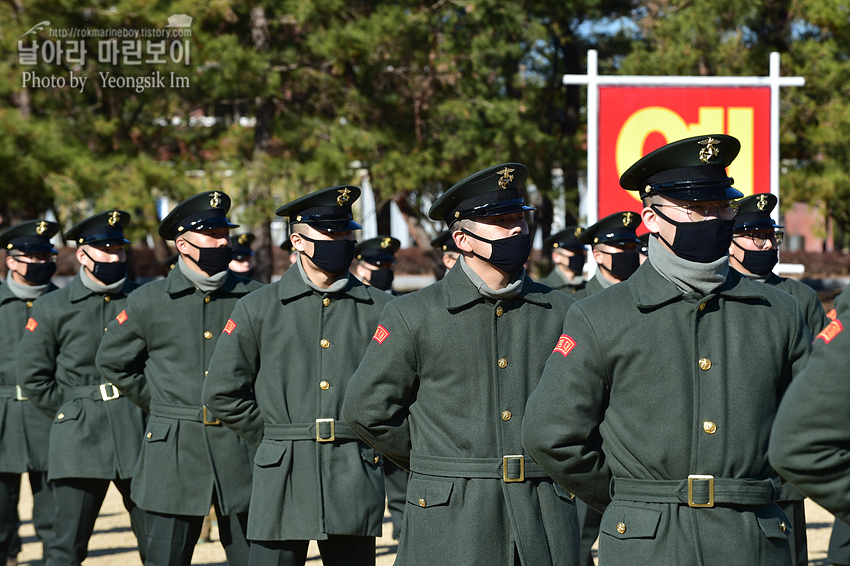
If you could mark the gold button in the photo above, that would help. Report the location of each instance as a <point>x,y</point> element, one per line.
<point>106,298</point>
<point>326,301</point>
<point>149,435</point>
<point>105,329</point>
<point>60,416</point>
<point>206,373</point>
<point>506,415</point>
<point>29,304</point>
<point>324,343</point>
<point>621,528</point>
<point>782,525</point>
<point>702,306</point>
<point>503,363</point>
<point>500,311</point>
<point>324,385</point>
<point>705,364</point>
<point>207,299</point>
<point>422,502</point>
<point>207,334</point>
<point>377,459</point>
<point>709,427</point>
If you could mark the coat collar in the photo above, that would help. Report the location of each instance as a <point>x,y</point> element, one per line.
<point>177,283</point>
<point>78,291</point>
<point>650,289</point>
<point>292,286</point>
<point>460,292</point>
<point>6,293</point>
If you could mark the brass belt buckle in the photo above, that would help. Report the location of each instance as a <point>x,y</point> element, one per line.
<point>319,437</point>
<point>505,460</point>
<point>209,422</point>
<point>710,480</point>
<point>106,396</point>
<point>19,394</point>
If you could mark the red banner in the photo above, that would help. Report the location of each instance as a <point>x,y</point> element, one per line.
<point>633,121</point>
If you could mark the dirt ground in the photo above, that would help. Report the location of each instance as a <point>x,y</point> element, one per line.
<point>113,543</point>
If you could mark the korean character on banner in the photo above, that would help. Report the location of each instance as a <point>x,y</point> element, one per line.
<point>28,55</point>
<point>75,52</point>
<point>131,51</point>
<point>107,51</point>
<point>51,52</point>
<point>156,50</point>
<point>179,51</point>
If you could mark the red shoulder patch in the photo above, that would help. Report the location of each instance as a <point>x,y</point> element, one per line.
<point>832,330</point>
<point>122,316</point>
<point>381,334</point>
<point>230,326</point>
<point>565,345</point>
<point>31,324</point>
<point>831,314</point>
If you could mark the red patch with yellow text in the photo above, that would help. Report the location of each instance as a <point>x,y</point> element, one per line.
<point>831,314</point>
<point>122,316</point>
<point>832,330</point>
<point>381,334</point>
<point>230,326</point>
<point>565,345</point>
<point>31,324</point>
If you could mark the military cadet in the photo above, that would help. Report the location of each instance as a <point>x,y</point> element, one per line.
<point>643,248</point>
<point>243,256</point>
<point>96,434</point>
<point>157,352</point>
<point>170,262</point>
<point>656,407</point>
<point>442,389</point>
<point>614,246</point>
<point>568,257</point>
<point>278,378</point>
<point>811,432</point>
<point>448,250</point>
<point>31,263</point>
<point>375,260</point>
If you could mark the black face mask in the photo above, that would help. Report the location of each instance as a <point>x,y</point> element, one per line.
<point>759,262</point>
<point>332,256</point>
<point>508,254</point>
<point>382,279</point>
<point>701,242</point>
<point>40,273</point>
<point>623,264</point>
<point>576,263</point>
<point>211,260</point>
<point>108,273</point>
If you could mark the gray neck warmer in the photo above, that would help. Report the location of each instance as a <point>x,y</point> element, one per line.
<point>205,283</point>
<point>754,277</point>
<point>512,289</point>
<point>602,280</point>
<point>96,287</point>
<point>569,279</point>
<point>335,287</point>
<point>25,292</point>
<point>688,276</point>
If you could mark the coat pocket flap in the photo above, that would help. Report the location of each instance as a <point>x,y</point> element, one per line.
<point>68,413</point>
<point>563,492</point>
<point>370,455</point>
<point>269,454</point>
<point>774,527</point>
<point>428,493</point>
<point>157,432</point>
<point>624,522</point>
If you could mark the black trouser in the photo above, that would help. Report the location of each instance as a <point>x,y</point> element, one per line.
<point>337,550</point>
<point>839,545</point>
<point>172,538</point>
<point>43,509</point>
<point>78,503</point>
<point>589,520</point>
<point>796,513</point>
<point>395,482</point>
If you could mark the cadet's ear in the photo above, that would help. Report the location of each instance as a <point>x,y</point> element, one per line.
<point>297,241</point>
<point>10,262</point>
<point>598,256</point>
<point>650,219</point>
<point>79,255</point>
<point>181,245</point>
<point>461,241</point>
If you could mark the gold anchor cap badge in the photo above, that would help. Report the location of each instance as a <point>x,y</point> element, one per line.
<point>709,152</point>
<point>578,231</point>
<point>343,197</point>
<point>385,243</point>
<point>762,202</point>
<point>506,177</point>
<point>41,227</point>
<point>114,218</point>
<point>243,238</point>
<point>627,219</point>
<point>215,200</point>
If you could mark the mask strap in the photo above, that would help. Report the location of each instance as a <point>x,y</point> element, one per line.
<point>668,219</point>
<point>480,239</point>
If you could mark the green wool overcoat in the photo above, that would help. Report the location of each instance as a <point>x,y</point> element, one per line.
<point>282,364</point>
<point>95,432</point>
<point>593,286</point>
<point>25,431</point>
<point>157,352</point>
<point>652,385</point>
<point>810,304</point>
<point>811,433</point>
<point>441,392</point>
<point>559,282</point>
